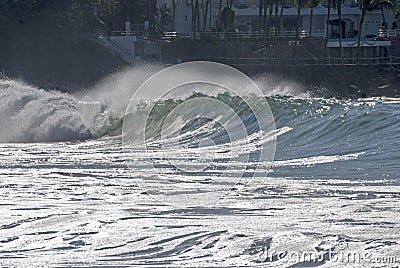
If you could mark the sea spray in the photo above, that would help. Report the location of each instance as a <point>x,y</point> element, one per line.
<point>30,114</point>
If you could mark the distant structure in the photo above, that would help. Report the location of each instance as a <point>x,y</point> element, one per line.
<point>189,18</point>
<point>132,46</point>
<point>319,31</point>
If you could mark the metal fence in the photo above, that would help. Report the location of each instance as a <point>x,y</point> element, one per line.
<point>246,35</point>
<point>243,35</point>
<point>325,61</point>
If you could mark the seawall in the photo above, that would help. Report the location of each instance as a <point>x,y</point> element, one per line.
<point>307,64</point>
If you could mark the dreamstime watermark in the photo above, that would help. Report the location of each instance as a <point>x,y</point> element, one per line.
<point>195,130</point>
<point>339,253</point>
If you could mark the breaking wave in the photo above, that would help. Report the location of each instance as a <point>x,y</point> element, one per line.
<point>31,114</point>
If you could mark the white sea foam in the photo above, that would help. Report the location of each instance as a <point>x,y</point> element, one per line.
<point>30,114</point>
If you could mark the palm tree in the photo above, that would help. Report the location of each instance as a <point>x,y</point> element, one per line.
<point>364,5</point>
<point>205,15</point>
<point>276,16</point>
<point>265,15</point>
<point>193,16</point>
<point>281,18</point>
<point>300,4</point>
<point>260,8</point>
<point>173,14</point>
<point>209,25</point>
<point>312,4</point>
<point>271,9</point>
<point>329,2</point>
<point>197,16</point>
<point>152,15</point>
<point>338,4</point>
<point>391,4</point>
<point>163,18</point>
<point>219,13</point>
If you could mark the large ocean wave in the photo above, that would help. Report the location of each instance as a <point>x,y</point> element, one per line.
<point>31,114</point>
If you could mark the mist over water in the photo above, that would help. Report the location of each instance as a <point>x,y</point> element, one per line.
<point>31,114</point>
<point>116,90</point>
<point>272,85</point>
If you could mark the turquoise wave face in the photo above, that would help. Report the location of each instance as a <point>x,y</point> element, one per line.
<point>365,133</point>
<point>370,127</point>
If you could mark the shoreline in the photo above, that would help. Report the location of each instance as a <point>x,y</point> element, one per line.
<point>345,82</point>
<point>340,82</point>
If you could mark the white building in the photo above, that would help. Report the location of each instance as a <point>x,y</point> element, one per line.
<point>247,18</point>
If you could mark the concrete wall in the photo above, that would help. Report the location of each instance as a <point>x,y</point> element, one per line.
<point>148,49</point>
<point>127,42</point>
<point>125,46</point>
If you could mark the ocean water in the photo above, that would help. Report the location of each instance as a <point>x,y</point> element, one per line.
<point>72,193</point>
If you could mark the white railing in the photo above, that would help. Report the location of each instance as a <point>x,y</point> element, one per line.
<point>244,35</point>
<point>123,33</point>
<point>388,33</point>
<point>323,61</point>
